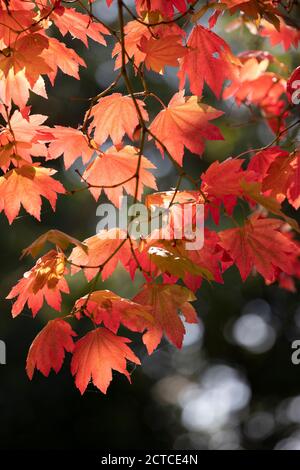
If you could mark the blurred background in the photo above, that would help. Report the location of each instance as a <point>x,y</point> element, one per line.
<point>232,386</point>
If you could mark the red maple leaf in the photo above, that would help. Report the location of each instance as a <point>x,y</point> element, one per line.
<point>166,7</point>
<point>286,35</point>
<point>137,33</point>
<point>106,307</point>
<point>224,178</point>
<point>283,178</point>
<point>209,60</point>
<point>48,348</point>
<point>261,161</point>
<point>166,302</point>
<point>259,244</point>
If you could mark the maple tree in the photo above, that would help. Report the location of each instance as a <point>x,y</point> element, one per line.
<point>113,141</point>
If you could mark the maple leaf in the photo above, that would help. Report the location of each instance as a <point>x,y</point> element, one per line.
<point>59,56</point>
<point>27,54</point>
<point>136,33</point>
<point>265,91</point>
<point>162,51</point>
<point>114,116</point>
<point>174,261</point>
<point>209,260</point>
<point>48,348</point>
<point>221,184</point>
<point>15,87</point>
<point>224,178</point>
<point>72,143</point>
<point>283,178</point>
<point>166,7</point>
<point>26,185</point>
<point>286,35</point>
<point>80,26</point>
<point>253,67</point>
<point>106,307</point>
<point>260,244</point>
<point>170,260</point>
<point>99,248</point>
<point>10,22</point>
<point>254,192</point>
<point>167,301</point>
<point>59,239</point>
<point>29,129</point>
<point>23,138</point>
<point>185,123</point>
<point>254,84</point>
<point>115,170</point>
<point>96,355</point>
<point>293,87</point>
<point>44,280</point>
<point>256,9</point>
<point>209,60</point>
<point>278,171</point>
<point>261,161</point>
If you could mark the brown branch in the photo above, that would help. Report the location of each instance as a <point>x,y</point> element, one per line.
<point>274,141</point>
<point>190,10</point>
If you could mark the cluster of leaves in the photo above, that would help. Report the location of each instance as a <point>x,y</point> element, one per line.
<point>152,37</point>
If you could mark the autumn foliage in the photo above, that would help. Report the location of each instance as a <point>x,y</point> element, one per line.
<point>263,181</point>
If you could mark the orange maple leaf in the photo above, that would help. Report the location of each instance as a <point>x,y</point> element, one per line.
<point>59,56</point>
<point>99,249</point>
<point>162,51</point>
<point>135,32</point>
<point>15,87</point>
<point>72,143</point>
<point>96,355</point>
<point>26,53</point>
<point>114,116</point>
<point>44,280</point>
<point>185,123</point>
<point>115,171</point>
<point>25,186</point>
<point>80,26</point>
